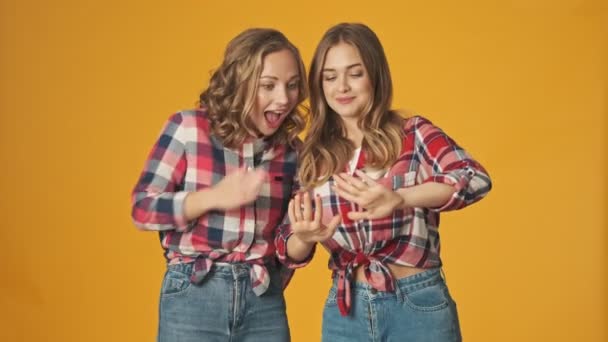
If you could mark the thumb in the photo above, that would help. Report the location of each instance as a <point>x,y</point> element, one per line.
<point>358,215</point>
<point>330,228</point>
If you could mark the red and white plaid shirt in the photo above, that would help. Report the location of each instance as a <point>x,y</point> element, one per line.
<point>409,237</point>
<point>186,158</point>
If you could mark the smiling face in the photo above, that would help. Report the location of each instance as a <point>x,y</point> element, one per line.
<point>277,93</point>
<point>346,83</point>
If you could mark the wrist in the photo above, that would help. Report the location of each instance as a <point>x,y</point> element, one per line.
<point>300,243</point>
<point>401,193</point>
<point>298,250</point>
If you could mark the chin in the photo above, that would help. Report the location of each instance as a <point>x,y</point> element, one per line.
<point>347,115</point>
<point>268,132</point>
<point>344,113</point>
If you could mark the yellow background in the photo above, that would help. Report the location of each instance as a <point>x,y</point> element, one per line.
<point>85,87</point>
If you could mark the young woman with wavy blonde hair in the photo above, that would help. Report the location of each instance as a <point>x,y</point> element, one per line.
<point>216,186</point>
<point>379,182</point>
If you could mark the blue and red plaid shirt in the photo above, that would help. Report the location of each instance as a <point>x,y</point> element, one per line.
<point>186,158</point>
<point>409,237</point>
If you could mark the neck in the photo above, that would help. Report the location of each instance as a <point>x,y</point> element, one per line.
<point>353,132</point>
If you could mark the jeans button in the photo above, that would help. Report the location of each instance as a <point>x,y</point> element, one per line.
<point>373,290</point>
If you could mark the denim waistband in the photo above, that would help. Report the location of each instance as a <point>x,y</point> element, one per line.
<point>406,284</point>
<point>233,270</point>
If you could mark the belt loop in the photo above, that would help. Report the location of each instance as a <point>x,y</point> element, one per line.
<point>234,269</point>
<point>400,294</point>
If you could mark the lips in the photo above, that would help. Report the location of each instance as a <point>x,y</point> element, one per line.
<point>345,100</point>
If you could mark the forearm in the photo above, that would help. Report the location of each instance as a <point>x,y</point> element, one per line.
<point>298,250</point>
<point>198,203</point>
<point>426,195</point>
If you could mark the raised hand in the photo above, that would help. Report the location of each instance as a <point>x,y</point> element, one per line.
<point>307,226</point>
<point>376,199</point>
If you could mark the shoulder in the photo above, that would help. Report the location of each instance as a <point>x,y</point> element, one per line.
<point>190,119</point>
<point>415,122</point>
<point>422,127</point>
<point>188,125</point>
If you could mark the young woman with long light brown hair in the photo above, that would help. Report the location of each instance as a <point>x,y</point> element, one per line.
<point>373,185</point>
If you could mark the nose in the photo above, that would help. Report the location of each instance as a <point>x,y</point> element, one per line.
<point>343,85</point>
<point>281,97</point>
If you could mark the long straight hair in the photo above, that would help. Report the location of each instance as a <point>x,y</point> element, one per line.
<point>326,149</point>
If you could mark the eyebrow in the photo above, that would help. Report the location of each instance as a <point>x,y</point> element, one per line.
<point>276,78</point>
<point>348,67</point>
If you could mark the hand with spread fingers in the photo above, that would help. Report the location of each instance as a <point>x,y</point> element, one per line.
<point>376,199</point>
<point>236,189</point>
<point>239,188</point>
<point>307,226</point>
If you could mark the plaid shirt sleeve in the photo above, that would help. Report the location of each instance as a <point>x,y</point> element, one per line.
<point>443,161</point>
<point>158,196</point>
<point>284,232</point>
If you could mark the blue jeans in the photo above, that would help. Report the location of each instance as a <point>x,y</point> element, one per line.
<point>421,309</point>
<point>222,308</point>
